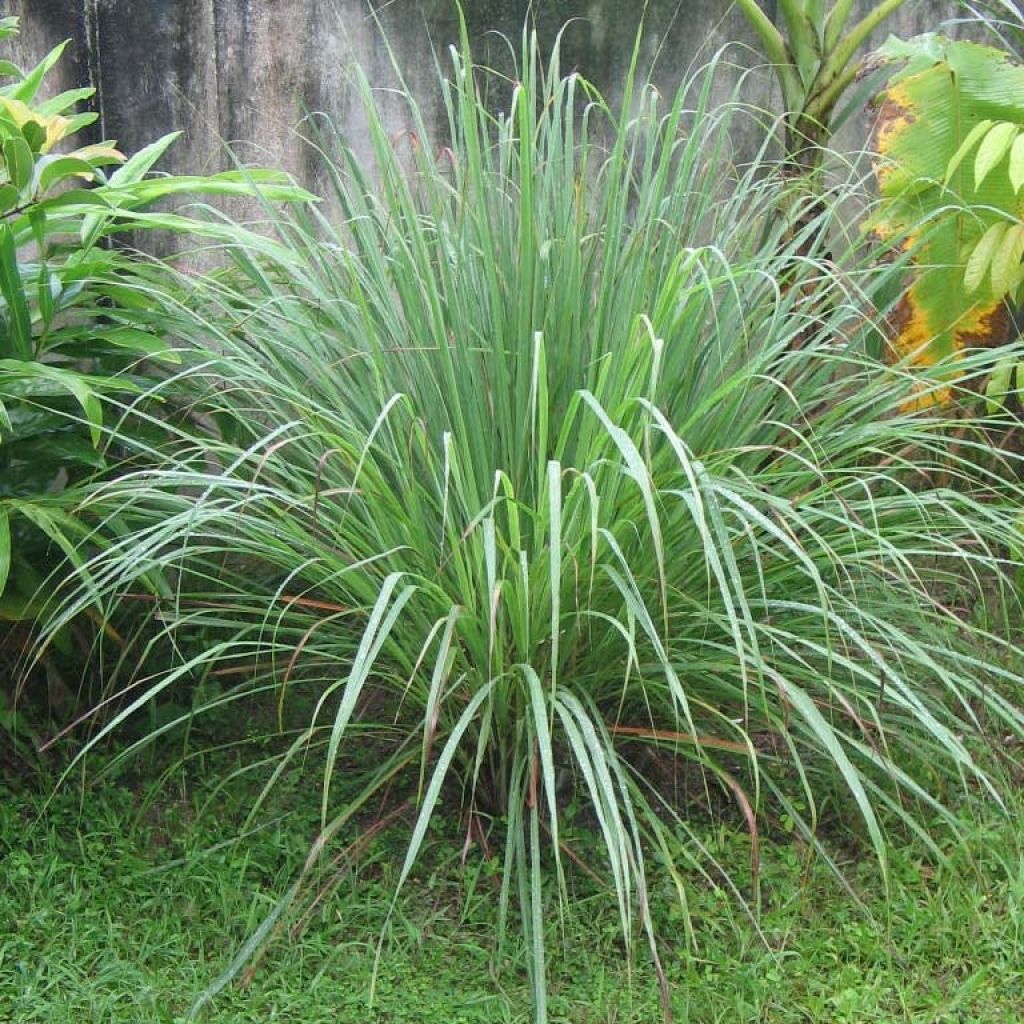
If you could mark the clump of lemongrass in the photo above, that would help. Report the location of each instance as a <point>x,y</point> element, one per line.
<point>561,443</point>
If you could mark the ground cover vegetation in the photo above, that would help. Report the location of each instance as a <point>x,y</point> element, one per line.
<point>545,493</point>
<point>123,903</point>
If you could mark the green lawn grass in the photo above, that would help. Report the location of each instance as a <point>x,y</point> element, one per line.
<point>116,907</point>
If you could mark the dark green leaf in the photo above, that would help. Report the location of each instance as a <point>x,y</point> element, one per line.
<point>34,134</point>
<point>37,221</point>
<point>47,291</point>
<point>18,341</point>
<point>77,384</point>
<point>8,198</point>
<point>5,547</point>
<point>59,450</point>
<point>20,162</point>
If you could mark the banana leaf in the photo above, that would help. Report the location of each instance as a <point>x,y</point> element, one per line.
<point>942,93</point>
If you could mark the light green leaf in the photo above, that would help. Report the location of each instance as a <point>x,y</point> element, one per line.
<point>998,385</point>
<point>139,341</point>
<point>64,101</point>
<point>970,140</point>
<point>992,149</point>
<point>67,201</point>
<point>831,741</point>
<point>28,87</point>
<point>981,258</point>
<point>1017,164</point>
<point>1006,260</point>
<point>137,166</point>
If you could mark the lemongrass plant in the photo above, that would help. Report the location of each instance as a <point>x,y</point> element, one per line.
<point>553,445</point>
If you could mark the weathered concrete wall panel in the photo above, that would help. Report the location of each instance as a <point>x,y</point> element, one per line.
<point>248,70</point>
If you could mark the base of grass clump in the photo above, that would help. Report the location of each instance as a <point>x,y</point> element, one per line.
<point>539,454</point>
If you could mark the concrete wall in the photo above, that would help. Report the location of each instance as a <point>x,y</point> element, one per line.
<point>247,70</point>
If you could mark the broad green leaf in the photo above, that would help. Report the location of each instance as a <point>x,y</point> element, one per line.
<point>982,256</point>
<point>933,113</point>
<point>52,171</point>
<point>67,201</point>
<point>61,528</point>
<point>59,450</point>
<point>37,223</point>
<point>22,380</point>
<point>76,122</point>
<point>9,70</point>
<point>992,149</point>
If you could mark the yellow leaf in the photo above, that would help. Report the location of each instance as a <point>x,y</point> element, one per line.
<point>56,127</point>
